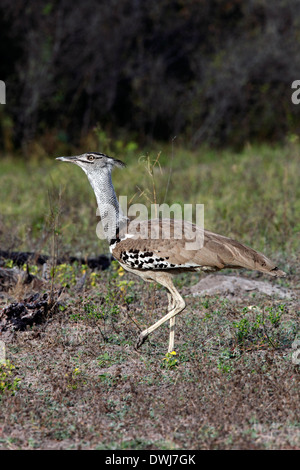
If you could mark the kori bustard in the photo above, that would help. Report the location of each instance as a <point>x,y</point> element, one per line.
<point>142,248</point>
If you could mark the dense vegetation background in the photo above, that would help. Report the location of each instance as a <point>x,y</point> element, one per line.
<point>217,71</point>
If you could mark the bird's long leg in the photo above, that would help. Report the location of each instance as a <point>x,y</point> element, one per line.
<point>170,301</point>
<point>172,323</point>
<point>178,305</point>
<point>172,334</point>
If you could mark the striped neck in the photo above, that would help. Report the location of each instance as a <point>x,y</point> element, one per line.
<point>112,216</point>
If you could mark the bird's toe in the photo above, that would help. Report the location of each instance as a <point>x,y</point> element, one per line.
<point>141,339</point>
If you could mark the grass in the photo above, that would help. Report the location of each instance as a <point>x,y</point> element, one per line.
<point>76,381</point>
<point>252,196</point>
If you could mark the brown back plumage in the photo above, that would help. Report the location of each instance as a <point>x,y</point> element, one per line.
<point>164,244</point>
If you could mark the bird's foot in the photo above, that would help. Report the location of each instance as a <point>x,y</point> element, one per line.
<point>141,339</point>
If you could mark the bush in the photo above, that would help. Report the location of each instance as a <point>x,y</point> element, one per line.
<point>215,71</point>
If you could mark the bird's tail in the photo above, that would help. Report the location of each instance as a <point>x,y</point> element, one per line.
<point>232,253</point>
<point>276,272</point>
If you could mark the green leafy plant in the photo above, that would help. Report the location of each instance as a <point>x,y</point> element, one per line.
<point>9,264</point>
<point>242,329</point>
<point>259,327</point>
<point>126,286</point>
<point>75,378</point>
<point>275,315</point>
<point>104,359</point>
<point>32,269</point>
<point>8,381</point>
<point>170,361</point>
<point>226,360</point>
<point>92,310</point>
<point>67,274</point>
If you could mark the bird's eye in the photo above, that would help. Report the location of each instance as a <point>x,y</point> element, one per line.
<point>90,158</point>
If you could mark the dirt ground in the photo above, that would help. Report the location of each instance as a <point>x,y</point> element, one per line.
<point>74,380</point>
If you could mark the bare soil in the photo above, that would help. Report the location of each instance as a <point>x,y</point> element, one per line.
<point>233,383</point>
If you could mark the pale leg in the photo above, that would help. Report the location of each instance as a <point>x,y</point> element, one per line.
<point>177,305</point>
<point>172,324</point>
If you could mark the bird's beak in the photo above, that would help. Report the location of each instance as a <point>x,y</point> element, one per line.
<point>67,159</point>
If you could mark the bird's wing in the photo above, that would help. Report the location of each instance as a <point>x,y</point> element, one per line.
<point>177,244</point>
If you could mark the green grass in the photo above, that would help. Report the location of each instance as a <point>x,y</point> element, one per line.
<point>253,196</point>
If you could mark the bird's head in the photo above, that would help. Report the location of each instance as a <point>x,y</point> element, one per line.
<point>92,162</point>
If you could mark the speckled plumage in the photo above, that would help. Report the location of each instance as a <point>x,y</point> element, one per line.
<point>173,255</point>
